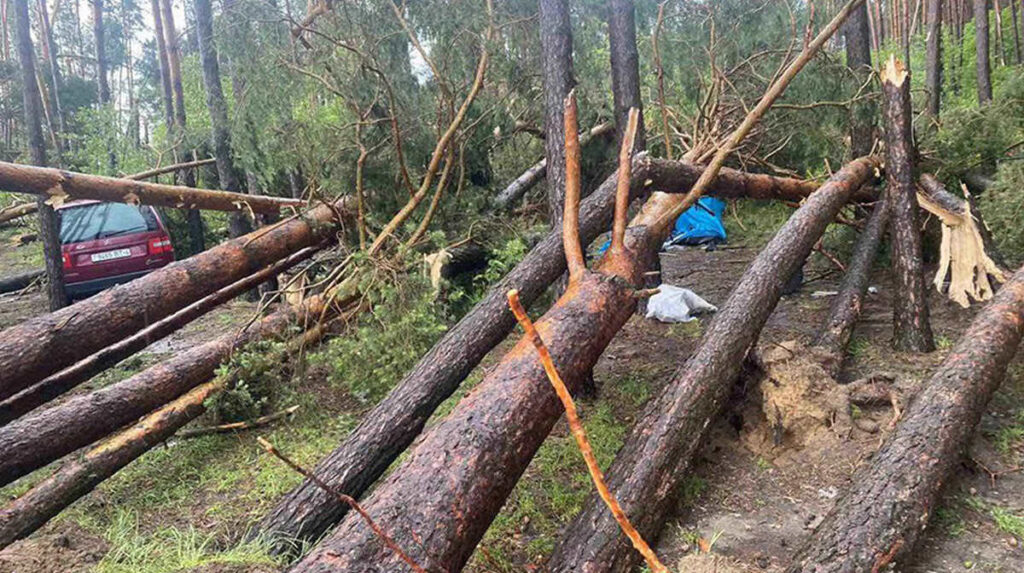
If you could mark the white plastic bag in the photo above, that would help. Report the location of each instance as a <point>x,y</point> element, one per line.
<point>676,304</point>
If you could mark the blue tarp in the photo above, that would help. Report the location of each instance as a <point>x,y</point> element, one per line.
<point>698,225</point>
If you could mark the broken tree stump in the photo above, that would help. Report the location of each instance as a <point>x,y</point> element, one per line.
<point>59,383</point>
<point>61,186</point>
<point>835,335</point>
<point>911,327</point>
<point>34,440</point>
<point>966,244</point>
<point>307,512</point>
<point>877,522</point>
<point>46,344</point>
<point>20,280</point>
<point>654,459</point>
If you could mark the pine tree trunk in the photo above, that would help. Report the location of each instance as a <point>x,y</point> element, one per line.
<point>625,68</point>
<point>858,58</point>
<point>879,519</point>
<point>167,96</point>
<point>981,51</point>
<point>556,69</point>
<point>101,51</point>
<point>238,222</point>
<point>655,457</point>
<point>48,229</point>
<point>911,326</point>
<point>933,59</point>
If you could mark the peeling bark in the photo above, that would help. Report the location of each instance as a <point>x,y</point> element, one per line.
<point>878,521</point>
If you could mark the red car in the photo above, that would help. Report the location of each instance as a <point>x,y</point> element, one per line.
<point>105,244</point>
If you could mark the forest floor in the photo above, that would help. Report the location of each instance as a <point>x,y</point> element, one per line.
<point>184,506</point>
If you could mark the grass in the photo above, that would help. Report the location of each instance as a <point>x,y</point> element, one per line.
<point>1008,438</point>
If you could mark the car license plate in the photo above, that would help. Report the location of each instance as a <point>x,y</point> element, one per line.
<point>111,255</point>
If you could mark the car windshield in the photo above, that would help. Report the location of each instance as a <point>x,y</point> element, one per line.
<point>101,220</point>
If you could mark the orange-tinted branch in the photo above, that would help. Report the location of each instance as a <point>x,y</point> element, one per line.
<point>580,434</point>
<point>622,185</point>
<point>571,216</point>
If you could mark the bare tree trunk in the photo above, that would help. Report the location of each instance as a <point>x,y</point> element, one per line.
<point>101,51</point>
<point>48,229</point>
<point>933,59</point>
<point>165,71</point>
<point>625,67</point>
<point>858,58</point>
<point>55,75</point>
<point>879,519</point>
<point>911,326</point>
<point>238,222</point>
<point>1000,46</point>
<point>1016,33</point>
<point>556,64</point>
<point>188,177</point>
<point>981,51</point>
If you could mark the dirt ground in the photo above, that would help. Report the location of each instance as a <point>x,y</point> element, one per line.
<point>751,501</point>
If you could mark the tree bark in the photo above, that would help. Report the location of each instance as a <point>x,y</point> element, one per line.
<point>166,92</point>
<point>44,345</point>
<point>387,430</point>
<point>48,229</point>
<point>186,178</point>
<point>625,68</point>
<point>537,171</point>
<point>655,457</point>
<point>911,326</point>
<point>835,336</point>
<point>55,74</point>
<point>879,519</point>
<point>63,381</point>
<point>858,58</point>
<point>69,185</point>
<point>981,51</point>
<point>41,437</point>
<point>936,191</point>
<point>238,221</point>
<point>1016,33</point>
<point>933,59</point>
<point>556,70</point>
<point>101,51</point>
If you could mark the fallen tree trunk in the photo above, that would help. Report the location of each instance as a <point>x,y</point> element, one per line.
<point>59,383</point>
<point>307,512</point>
<point>16,211</point>
<point>67,185</point>
<point>20,281</point>
<point>436,506</point>
<point>41,437</point>
<point>79,476</point>
<point>529,178</point>
<point>846,308</point>
<point>46,344</point>
<point>878,520</point>
<point>654,459</point>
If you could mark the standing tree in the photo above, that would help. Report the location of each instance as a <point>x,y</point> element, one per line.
<point>238,223</point>
<point>167,96</point>
<point>185,177</point>
<point>556,64</point>
<point>858,57</point>
<point>981,51</point>
<point>933,69</point>
<point>912,329</point>
<point>625,67</point>
<point>101,52</point>
<point>48,229</point>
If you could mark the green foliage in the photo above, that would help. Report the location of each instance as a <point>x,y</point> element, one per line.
<point>404,323</point>
<point>1003,208</point>
<point>257,372</point>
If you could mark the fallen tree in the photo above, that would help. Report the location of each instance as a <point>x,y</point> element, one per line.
<point>20,280</point>
<point>439,513</point>
<point>46,344</point>
<point>79,476</point>
<point>15,211</point>
<point>529,178</point>
<point>877,522</point>
<point>307,512</point>
<point>149,173</point>
<point>34,440</point>
<point>63,381</point>
<point>655,457</point>
<point>62,186</point>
